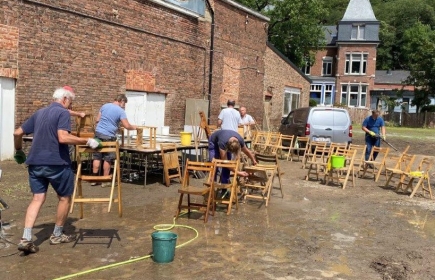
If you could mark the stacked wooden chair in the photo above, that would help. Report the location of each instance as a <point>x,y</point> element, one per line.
<point>171,163</point>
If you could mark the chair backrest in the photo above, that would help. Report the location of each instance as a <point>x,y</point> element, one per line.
<point>287,140</point>
<point>274,142</point>
<point>425,165</point>
<point>169,155</point>
<point>399,163</point>
<point>361,151</point>
<point>406,162</point>
<point>192,166</point>
<point>233,165</point>
<point>303,140</point>
<point>266,159</point>
<point>107,147</point>
<point>382,153</point>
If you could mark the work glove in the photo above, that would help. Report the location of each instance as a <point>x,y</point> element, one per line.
<point>20,157</point>
<point>94,143</point>
<point>384,137</point>
<point>372,134</point>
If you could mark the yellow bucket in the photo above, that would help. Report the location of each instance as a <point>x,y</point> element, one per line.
<point>186,138</point>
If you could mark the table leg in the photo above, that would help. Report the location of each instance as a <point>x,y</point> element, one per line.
<point>146,171</point>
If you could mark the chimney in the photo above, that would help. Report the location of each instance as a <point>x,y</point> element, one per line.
<point>389,72</point>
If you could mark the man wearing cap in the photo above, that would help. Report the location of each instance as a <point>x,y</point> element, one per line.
<point>374,127</point>
<point>49,163</point>
<point>108,119</point>
<point>229,118</point>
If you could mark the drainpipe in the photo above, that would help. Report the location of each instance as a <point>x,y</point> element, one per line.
<point>210,73</point>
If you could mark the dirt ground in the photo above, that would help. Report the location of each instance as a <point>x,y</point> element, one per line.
<point>313,232</point>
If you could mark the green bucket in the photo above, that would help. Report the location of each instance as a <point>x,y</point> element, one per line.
<point>163,246</point>
<point>337,161</point>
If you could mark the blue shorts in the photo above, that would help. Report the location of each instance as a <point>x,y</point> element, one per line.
<point>61,178</point>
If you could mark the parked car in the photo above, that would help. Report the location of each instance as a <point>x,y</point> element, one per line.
<point>325,124</point>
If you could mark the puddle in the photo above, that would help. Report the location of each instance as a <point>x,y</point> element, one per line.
<point>342,238</point>
<point>422,221</point>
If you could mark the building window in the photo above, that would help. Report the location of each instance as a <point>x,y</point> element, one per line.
<point>327,66</point>
<point>291,100</point>
<point>354,95</point>
<point>356,63</point>
<point>327,100</point>
<point>316,93</point>
<point>307,69</point>
<point>358,32</point>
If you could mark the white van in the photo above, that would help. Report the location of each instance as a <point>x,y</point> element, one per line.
<point>324,124</point>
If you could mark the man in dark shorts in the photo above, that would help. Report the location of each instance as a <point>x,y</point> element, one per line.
<point>226,144</point>
<point>49,163</point>
<point>109,117</point>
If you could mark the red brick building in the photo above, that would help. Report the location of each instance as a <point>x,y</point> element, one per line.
<point>344,72</point>
<point>157,52</point>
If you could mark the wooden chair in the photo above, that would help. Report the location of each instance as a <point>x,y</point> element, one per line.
<point>421,176</point>
<point>371,164</point>
<point>170,162</point>
<point>285,146</point>
<point>317,160</point>
<point>343,174</point>
<point>259,182</point>
<point>270,162</point>
<point>115,179</point>
<point>261,140</point>
<point>204,191</point>
<point>219,188</point>
<point>402,166</point>
<point>359,159</point>
<point>312,149</point>
<point>273,143</point>
<point>300,146</point>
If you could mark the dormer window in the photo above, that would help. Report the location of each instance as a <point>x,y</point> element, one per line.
<point>358,32</point>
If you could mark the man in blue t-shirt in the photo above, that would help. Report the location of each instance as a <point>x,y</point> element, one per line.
<point>373,126</point>
<point>49,163</point>
<point>225,143</point>
<point>108,119</point>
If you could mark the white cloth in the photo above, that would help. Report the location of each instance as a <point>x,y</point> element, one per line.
<point>247,119</point>
<point>230,118</point>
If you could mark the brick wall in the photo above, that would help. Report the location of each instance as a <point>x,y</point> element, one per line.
<point>280,74</point>
<point>316,68</point>
<point>238,71</point>
<point>87,45</point>
<point>8,51</point>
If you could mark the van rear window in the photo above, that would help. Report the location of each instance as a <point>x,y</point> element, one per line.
<point>300,116</point>
<point>329,118</point>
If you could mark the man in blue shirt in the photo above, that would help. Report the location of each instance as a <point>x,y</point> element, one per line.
<point>49,163</point>
<point>223,144</point>
<point>373,126</point>
<point>108,119</point>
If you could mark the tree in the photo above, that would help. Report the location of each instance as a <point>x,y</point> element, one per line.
<point>419,52</point>
<point>294,26</point>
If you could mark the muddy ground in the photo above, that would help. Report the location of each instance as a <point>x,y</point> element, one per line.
<point>314,232</point>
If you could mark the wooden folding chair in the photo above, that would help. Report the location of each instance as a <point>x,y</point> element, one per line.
<point>317,160</point>
<point>204,191</point>
<point>270,162</point>
<point>400,169</point>
<point>359,159</point>
<point>285,146</point>
<point>300,147</point>
<point>421,176</point>
<point>259,182</point>
<point>220,190</point>
<point>170,162</point>
<point>273,143</point>
<point>312,149</point>
<point>261,141</point>
<point>371,165</point>
<point>342,174</point>
<point>115,178</point>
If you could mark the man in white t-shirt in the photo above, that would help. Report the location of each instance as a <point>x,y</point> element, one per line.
<point>229,118</point>
<point>246,118</point>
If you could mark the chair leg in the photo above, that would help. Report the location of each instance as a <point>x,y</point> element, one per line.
<point>188,203</point>
<point>118,178</point>
<point>381,166</point>
<point>80,196</point>
<point>180,201</point>
<point>280,182</point>
<point>416,187</point>
<point>387,184</point>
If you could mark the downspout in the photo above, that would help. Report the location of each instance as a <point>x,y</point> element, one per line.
<point>210,73</point>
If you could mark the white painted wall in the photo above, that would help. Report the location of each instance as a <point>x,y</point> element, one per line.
<point>7,118</point>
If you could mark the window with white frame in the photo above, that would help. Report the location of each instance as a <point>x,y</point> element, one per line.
<point>327,66</point>
<point>307,69</point>
<point>316,93</point>
<point>358,32</point>
<point>327,100</point>
<point>291,99</point>
<point>353,95</point>
<point>356,63</point>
